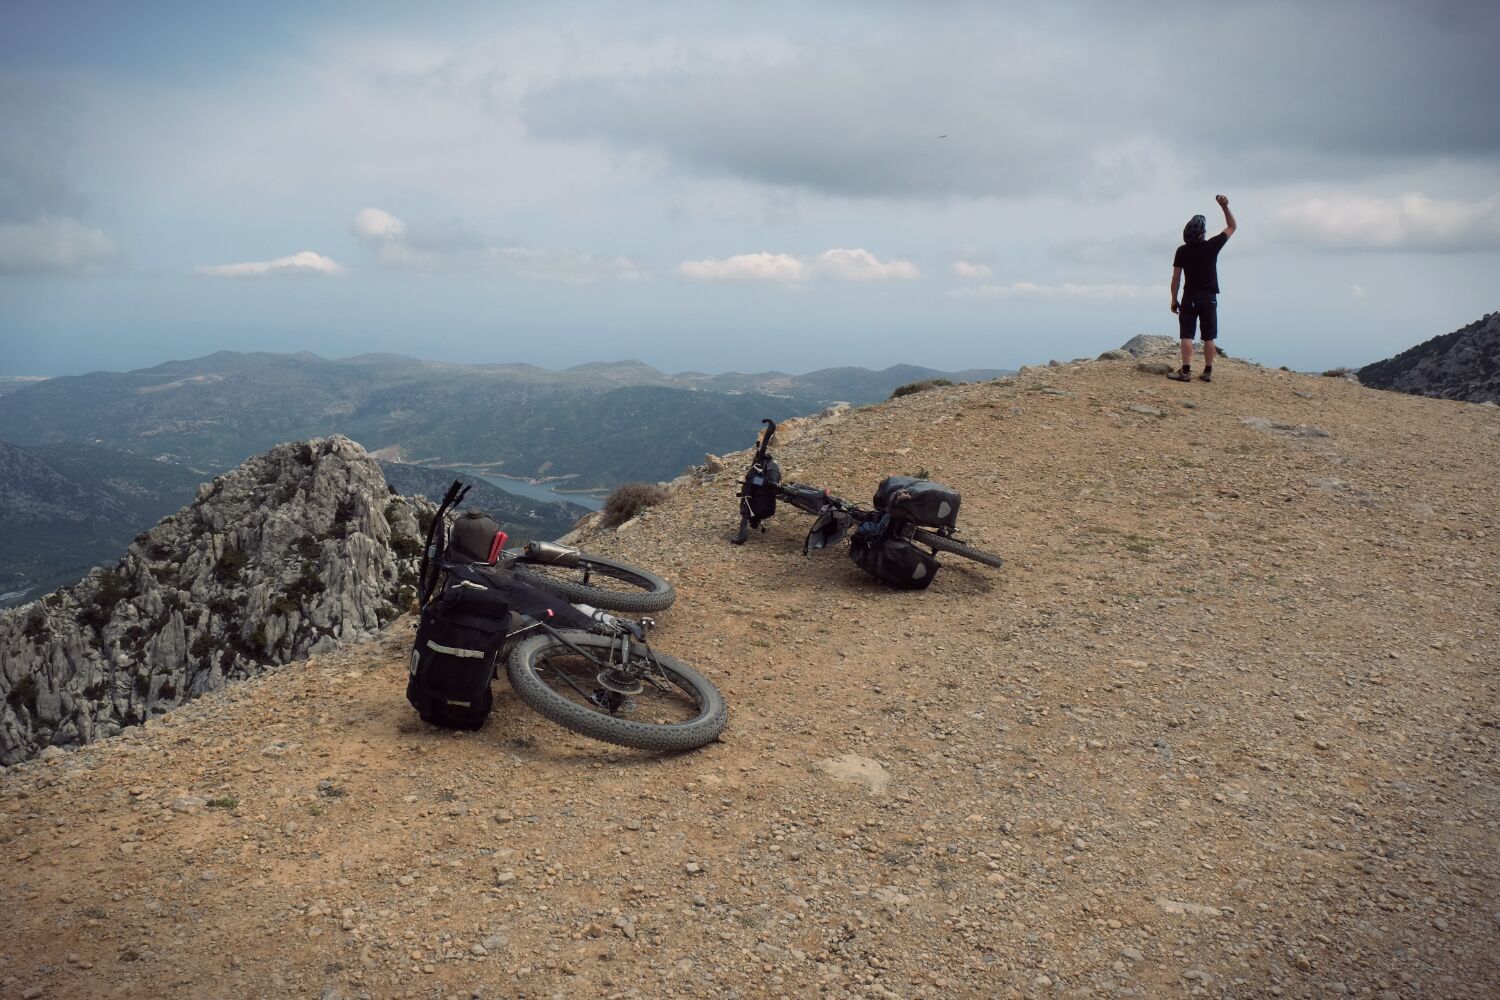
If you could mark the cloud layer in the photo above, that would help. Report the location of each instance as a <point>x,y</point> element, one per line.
<point>303,264</point>
<point>454,247</point>
<point>837,264</point>
<point>1014,100</point>
<point>1411,222</point>
<point>53,246</point>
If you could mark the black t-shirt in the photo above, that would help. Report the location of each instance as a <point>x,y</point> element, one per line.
<point>1200,265</point>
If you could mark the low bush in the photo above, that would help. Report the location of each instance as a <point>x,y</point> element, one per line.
<point>923,386</point>
<point>629,500</point>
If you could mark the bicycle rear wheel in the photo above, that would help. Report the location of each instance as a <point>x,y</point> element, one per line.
<point>942,543</point>
<point>626,587</point>
<point>673,708</point>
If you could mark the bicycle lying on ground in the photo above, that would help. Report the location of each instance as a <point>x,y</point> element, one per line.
<point>907,510</point>
<point>570,573</point>
<point>583,668</point>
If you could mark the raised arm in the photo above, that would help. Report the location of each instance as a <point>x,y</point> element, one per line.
<point>1228,215</point>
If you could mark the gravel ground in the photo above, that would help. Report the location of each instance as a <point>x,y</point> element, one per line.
<point>1224,725</point>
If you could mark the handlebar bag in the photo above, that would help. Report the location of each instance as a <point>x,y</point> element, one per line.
<point>918,501</point>
<point>453,657</point>
<point>893,561</point>
<point>758,491</point>
<point>476,538</point>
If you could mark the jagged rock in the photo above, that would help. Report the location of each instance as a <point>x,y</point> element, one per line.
<point>1115,355</point>
<point>1464,364</point>
<point>294,552</point>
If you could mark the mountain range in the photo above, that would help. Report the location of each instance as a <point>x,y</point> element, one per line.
<point>70,506</point>
<point>595,425</point>
<point>94,459</point>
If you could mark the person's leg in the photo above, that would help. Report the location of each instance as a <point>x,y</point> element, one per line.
<point>1208,320</point>
<point>1186,321</point>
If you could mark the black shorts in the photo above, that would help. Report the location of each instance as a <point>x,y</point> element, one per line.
<point>1201,310</point>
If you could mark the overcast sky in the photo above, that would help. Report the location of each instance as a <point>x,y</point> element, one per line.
<point>744,186</point>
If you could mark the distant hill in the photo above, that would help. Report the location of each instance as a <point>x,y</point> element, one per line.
<point>595,425</point>
<point>1464,364</point>
<point>68,507</point>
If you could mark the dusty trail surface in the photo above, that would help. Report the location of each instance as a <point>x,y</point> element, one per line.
<point>1224,725</point>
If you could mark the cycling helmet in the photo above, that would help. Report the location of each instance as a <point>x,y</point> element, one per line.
<point>1194,230</point>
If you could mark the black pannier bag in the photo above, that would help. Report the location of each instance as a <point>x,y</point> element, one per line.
<point>453,658</point>
<point>476,538</point>
<point>758,491</point>
<point>893,561</point>
<point>918,501</point>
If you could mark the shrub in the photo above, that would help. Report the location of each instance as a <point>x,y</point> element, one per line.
<point>923,386</point>
<point>112,590</point>
<point>230,565</point>
<point>1342,372</point>
<point>629,500</point>
<point>36,624</point>
<point>225,801</point>
<point>23,693</point>
<point>405,546</point>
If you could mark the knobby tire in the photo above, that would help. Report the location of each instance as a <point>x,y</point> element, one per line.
<point>941,543</point>
<point>708,721</point>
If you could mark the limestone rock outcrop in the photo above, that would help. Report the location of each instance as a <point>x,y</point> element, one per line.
<point>1464,364</point>
<point>291,554</point>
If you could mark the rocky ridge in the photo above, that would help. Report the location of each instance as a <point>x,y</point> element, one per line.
<point>289,555</point>
<point>1464,364</point>
<point>1224,726</point>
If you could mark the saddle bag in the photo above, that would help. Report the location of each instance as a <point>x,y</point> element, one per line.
<point>893,561</point>
<point>453,658</point>
<point>918,501</point>
<point>758,491</point>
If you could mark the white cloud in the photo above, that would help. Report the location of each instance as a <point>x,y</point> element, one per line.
<point>1358,291</point>
<point>968,269</point>
<point>1031,290</point>
<point>746,267</point>
<point>1410,222</point>
<point>453,246</point>
<point>52,245</point>
<point>376,225</point>
<point>304,263</point>
<point>862,265</point>
<point>838,264</point>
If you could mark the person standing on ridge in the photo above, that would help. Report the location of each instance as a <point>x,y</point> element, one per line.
<point>1200,304</point>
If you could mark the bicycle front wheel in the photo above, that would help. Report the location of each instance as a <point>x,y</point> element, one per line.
<point>673,707</point>
<point>942,543</point>
<point>623,587</point>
